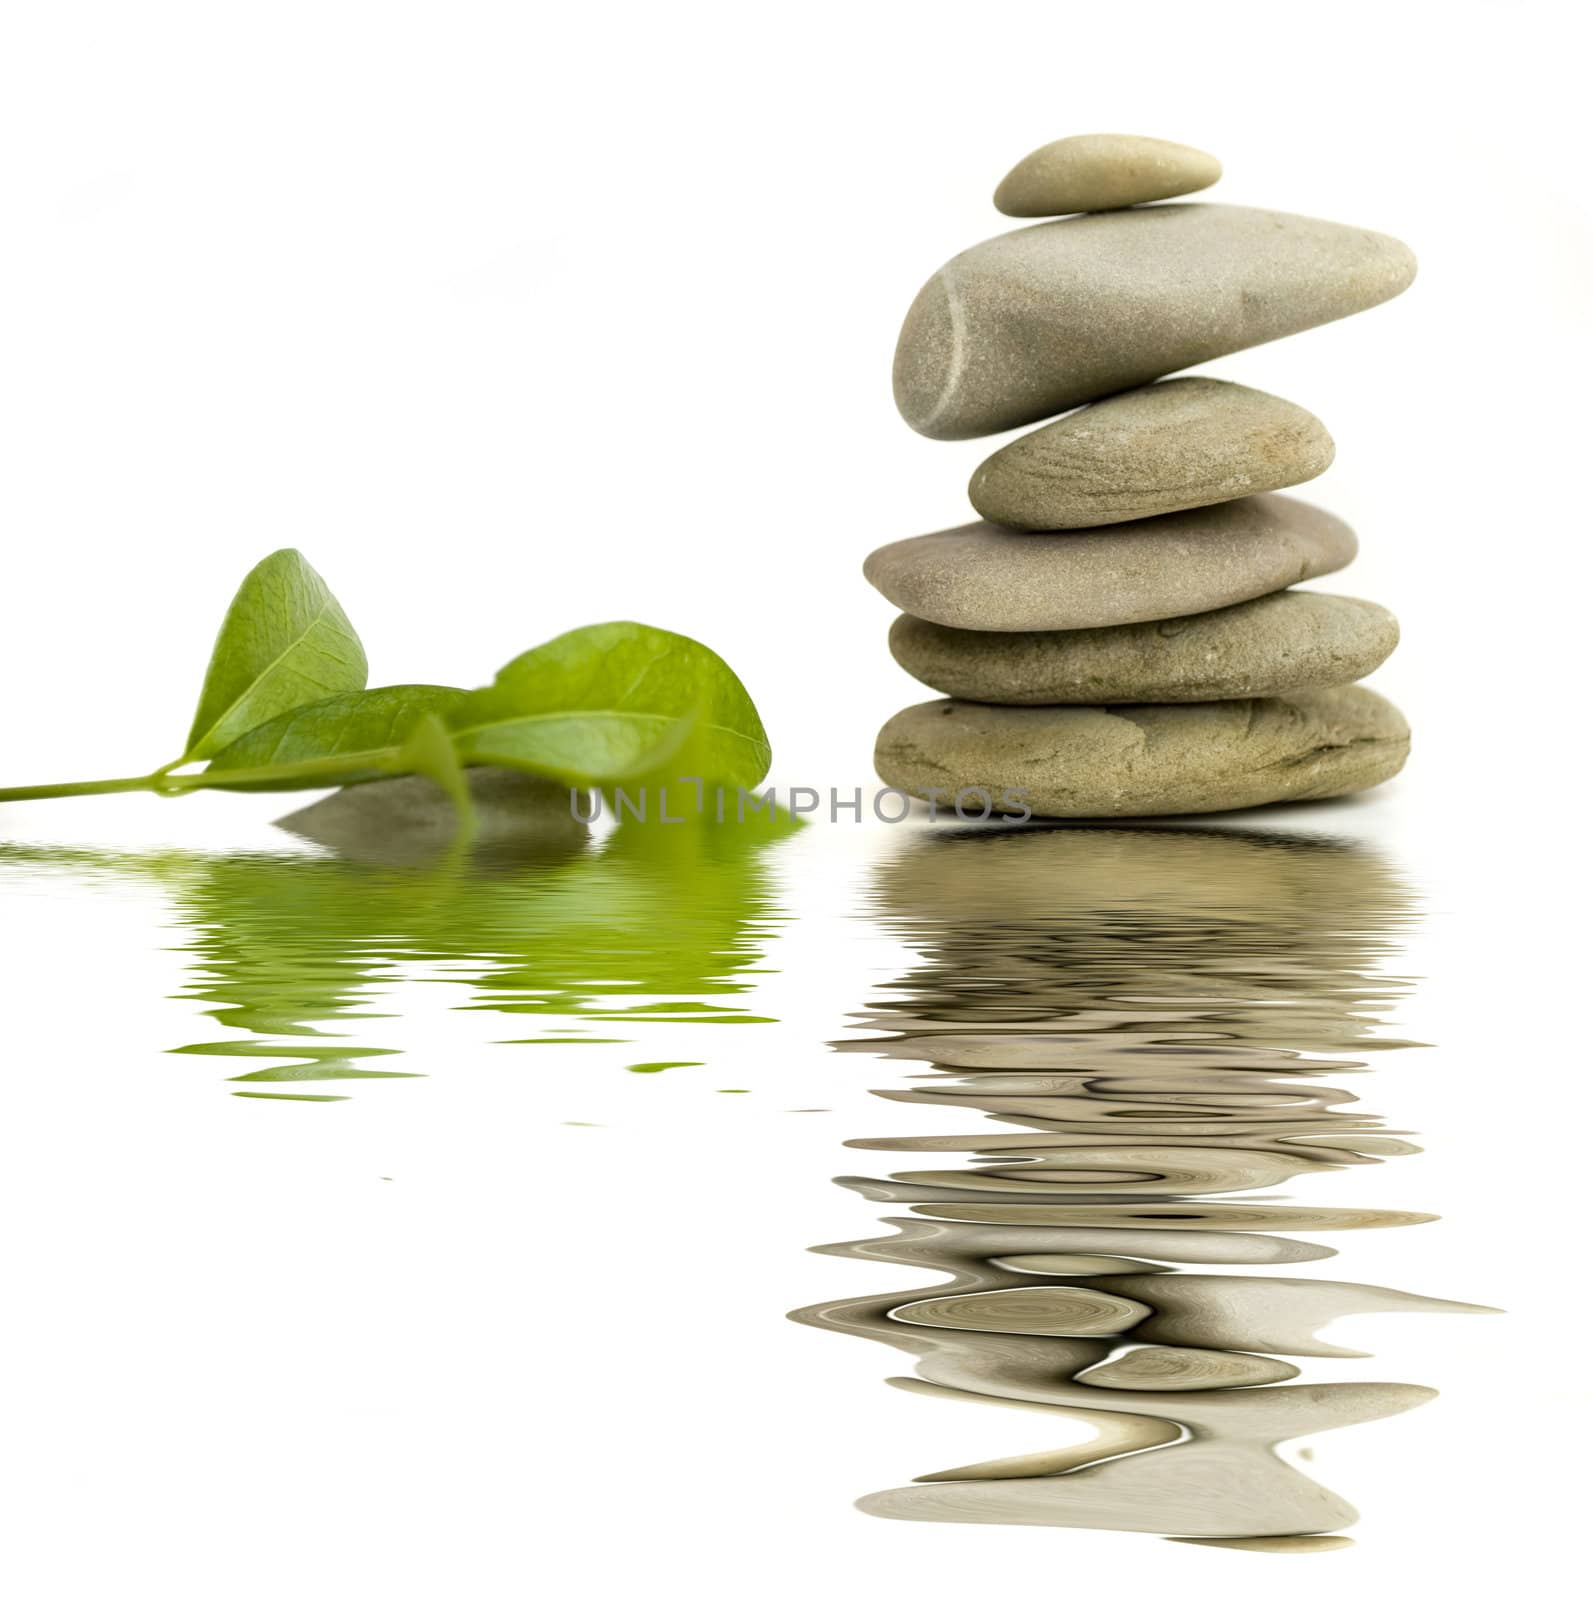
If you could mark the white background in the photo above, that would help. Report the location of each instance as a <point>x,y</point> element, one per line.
<point>516,319</point>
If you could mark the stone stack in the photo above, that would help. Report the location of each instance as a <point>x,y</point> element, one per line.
<point>1118,635</point>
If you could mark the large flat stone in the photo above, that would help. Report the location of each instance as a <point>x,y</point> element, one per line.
<point>984,577</point>
<point>1146,761</point>
<point>405,821</point>
<point>1282,642</point>
<point>1031,323</point>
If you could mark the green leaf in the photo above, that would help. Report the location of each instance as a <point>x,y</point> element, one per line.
<point>609,702</point>
<point>366,731</point>
<point>283,643</point>
<point>429,753</point>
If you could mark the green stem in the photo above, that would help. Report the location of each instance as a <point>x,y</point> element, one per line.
<point>305,774</point>
<point>61,791</point>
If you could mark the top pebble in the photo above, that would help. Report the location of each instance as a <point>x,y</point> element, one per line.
<point>1102,172</point>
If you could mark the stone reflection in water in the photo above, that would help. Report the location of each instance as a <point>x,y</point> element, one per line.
<point>297,956</point>
<point>1145,1008</point>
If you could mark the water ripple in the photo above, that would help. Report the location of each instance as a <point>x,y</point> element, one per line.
<point>1167,1016</point>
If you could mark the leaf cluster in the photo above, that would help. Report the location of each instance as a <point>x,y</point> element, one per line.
<point>284,705</point>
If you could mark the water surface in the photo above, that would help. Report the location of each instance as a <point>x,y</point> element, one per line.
<point>298,956</point>
<point>1134,1068</point>
<point>1134,1036</point>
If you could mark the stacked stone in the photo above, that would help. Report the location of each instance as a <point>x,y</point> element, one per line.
<point>1119,636</point>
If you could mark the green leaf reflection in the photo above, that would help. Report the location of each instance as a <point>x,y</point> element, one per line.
<point>301,959</point>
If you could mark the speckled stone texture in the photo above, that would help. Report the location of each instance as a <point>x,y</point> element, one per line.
<point>984,577</point>
<point>408,821</point>
<point>1102,172</point>
<point>1169,447</point>
<point>1275,645</point>
<point>1141,761</point>
<point>1031,323</point>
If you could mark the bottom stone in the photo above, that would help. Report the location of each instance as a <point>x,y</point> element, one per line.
<point>1144,760</point>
